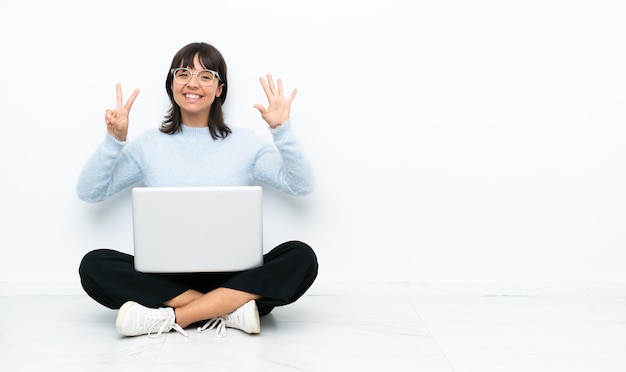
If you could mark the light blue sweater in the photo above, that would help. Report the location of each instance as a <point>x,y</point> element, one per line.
<point>193,158</point>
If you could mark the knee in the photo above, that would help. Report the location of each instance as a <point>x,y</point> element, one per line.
<point>92,262</point>
<point>305,255</point>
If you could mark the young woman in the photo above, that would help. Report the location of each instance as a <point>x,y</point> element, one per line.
<point>195,147</point>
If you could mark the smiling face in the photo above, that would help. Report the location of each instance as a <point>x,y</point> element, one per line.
<point>195,99</point>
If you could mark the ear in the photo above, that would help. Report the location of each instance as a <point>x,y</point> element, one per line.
<point>218,91</point>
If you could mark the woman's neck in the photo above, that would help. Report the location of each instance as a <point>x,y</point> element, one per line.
<point>196,121</point>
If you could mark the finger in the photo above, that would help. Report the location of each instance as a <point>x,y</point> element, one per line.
<point>261,108</point>
<point>131,100</point>
<point>270,82</point>
<point>280,87</point>
<point>293,95</point>
<point>111,117</point>
<point>118,89</point>
<point>107,117</point>
<point>266,88</point>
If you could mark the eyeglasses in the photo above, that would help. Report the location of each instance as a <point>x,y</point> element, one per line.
<point>205,77</point>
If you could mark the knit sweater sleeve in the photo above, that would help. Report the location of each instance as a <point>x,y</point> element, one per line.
<point>287,169</point>
<point>108,171</point>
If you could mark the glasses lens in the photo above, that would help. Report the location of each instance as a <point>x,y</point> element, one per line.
<point>182,75</point>
<point>206,77</point>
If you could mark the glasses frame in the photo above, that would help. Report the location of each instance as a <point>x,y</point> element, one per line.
<point>192,73</point>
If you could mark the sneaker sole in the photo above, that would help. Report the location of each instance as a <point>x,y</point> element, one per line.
<point>121,314</point>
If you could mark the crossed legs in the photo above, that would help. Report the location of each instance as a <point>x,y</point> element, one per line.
<point>192,306</point>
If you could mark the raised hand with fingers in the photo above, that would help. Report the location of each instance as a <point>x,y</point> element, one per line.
<point>117,119</point>
<point>279,106</point>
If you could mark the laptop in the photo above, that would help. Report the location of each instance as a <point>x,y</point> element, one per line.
<point>197,229</point>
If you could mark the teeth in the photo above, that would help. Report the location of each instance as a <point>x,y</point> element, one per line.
<point>193,96</point>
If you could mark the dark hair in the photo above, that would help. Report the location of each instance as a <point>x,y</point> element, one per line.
<point>211,59</point>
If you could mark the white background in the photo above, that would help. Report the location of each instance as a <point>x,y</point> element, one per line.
<point>453,141</point>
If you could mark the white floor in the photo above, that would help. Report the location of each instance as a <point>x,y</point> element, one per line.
<point>332,333</point>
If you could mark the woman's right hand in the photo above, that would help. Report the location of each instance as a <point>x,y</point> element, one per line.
<point>117,119</point>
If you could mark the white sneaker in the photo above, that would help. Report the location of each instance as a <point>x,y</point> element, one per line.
<point>134,319</point>
<point>246,318</point>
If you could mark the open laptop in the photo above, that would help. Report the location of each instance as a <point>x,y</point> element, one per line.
<point>197,229</point>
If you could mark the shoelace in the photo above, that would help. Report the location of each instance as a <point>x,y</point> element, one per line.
<point>164,320</point>
<point>219,324</point>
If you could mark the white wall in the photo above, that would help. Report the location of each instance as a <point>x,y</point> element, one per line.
<point>454,141</point>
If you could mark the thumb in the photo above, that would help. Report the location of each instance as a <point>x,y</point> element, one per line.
<point>260,108</point>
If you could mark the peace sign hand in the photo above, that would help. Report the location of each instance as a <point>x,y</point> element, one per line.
<point>278,108</point>
<point>117,119</point>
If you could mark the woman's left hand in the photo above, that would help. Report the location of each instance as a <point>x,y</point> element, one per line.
<point>278,108</point>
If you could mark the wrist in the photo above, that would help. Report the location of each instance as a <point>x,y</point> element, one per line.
<point>279,127</point>
<point>118,137</point>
